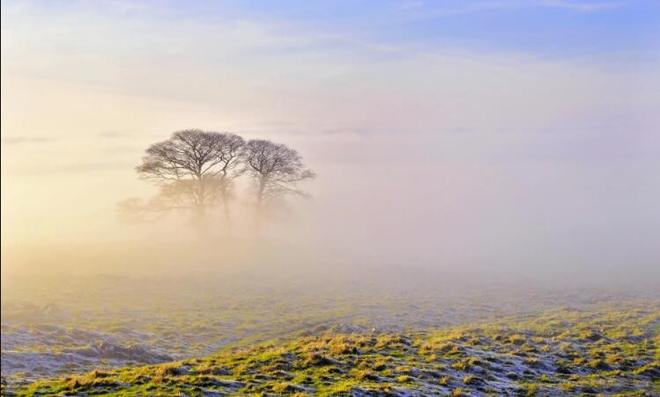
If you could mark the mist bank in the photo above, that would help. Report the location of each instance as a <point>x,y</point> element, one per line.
<point>460,205</point>
<point>291,264</point>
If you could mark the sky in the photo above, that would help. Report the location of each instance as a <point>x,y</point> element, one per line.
<point>491,132</point>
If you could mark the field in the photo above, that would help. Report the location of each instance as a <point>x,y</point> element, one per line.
<point>398,334</point>
<point>606,350</point>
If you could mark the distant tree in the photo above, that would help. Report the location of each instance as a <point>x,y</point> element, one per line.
<point>194,170</point>
<point>275,168</point>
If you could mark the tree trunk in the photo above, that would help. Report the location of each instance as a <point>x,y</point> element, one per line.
<point>200,211</point>
<point>260,194</point>
<point>259,209</point>
<point>226,209</point>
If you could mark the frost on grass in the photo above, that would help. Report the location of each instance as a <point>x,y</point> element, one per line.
<point>606,350</point>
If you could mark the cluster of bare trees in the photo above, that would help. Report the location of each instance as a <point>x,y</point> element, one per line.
<point>197,171</point>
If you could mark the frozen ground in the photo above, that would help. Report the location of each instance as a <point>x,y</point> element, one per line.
<point>609,349</point>
<point>75,324</point>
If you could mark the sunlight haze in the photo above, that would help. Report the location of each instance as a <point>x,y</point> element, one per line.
<point>330,198</point>
<point>425,141</point>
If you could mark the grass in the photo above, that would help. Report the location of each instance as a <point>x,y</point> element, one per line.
<point>610,351</point>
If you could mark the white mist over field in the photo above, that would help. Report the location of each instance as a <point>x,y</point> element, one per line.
<point>496,161</point>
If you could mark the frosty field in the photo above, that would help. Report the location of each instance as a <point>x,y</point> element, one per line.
<point>402,333</point>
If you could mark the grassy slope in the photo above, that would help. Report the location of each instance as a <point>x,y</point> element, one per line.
<point>608,350</point>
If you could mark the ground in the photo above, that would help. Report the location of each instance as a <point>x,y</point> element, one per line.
<point>609,349</point>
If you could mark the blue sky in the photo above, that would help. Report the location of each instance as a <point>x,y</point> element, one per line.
<point>543,28</point>
<point>554,28</point>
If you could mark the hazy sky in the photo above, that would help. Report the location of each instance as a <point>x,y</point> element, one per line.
<point>507,131</point>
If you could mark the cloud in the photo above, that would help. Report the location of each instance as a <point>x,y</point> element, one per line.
<point>69,168</point>
<point>417,10</point>
<point>16,140</point>
<point>583,6</point>
<point>112,134</point>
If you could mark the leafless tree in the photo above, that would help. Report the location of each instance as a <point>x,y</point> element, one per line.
<point>194,169</point>
<point>275,168</point>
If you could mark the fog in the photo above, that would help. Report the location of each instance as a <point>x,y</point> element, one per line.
<point>499,213</point>
<point>489,162</point>
<point>365,198</point>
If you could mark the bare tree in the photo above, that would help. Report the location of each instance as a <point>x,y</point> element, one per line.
<point>194,170</point>
<point>231,157</point>
<point>275,168</point>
